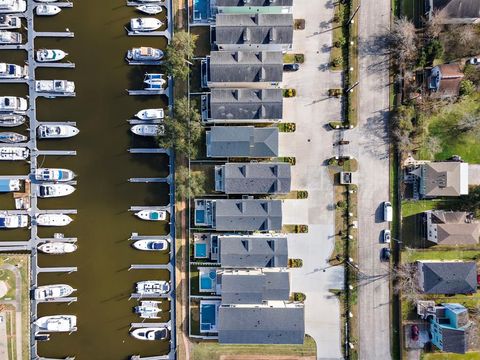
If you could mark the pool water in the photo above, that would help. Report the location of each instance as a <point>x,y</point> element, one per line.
<point>199,216</point>
<point>207,281</point>
<point>208,317</point>
<point>201,9</point>
<point>201,251</point>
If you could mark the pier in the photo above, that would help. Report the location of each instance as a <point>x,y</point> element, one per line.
<point>150,267</point>
<point>66,269</point>
<point>149,324</point>
<point>58,300</point>
<point>148,151</point>
<point>137,121</point>
<point>136,237</point>
<point>150,180</point>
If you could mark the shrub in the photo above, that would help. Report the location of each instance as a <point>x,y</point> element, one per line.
<point>295,263</point>
<point>340,42</point>
<point>467,88</point>
<point>289,93</point>
<point>302,194</point>
<point>337,61</point>
<point>299,58</point>
<point>297,296</point>
<point>334,92</point>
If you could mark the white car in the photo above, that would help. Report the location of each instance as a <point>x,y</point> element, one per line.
<point>474,61</point>
<point>387,236</point>
<point>387,211</point>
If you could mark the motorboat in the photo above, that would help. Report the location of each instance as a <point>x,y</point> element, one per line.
<point>47,10</point>
<point>150,114</point>
<point>54,190</point>
<point>12,103</point>
<point>10,37</point>
<point>151,79</point>
<point>50,55</point>
<point>8,221</point>
<point>57,323</point>
<point>12,71</point>
<point>151,245</point>
<point>148,129</point>
<point>11,120</point>
<point>57,248</point>
<point>12,137</point>
<point>52,174</point>
<point>13,153</point>
<point>148,309</point>
<point>153,287</point>
<point>8,22</point>
<point>7,185</point>
<point>145,24</point>
<point>53,220</point>
<point>150,9</point>
<point>46,1</point>
<point>55,86</point>
<point>12,6</point>
<point>144,54</point>
<point>48,292</point>
<point>56,131</point>
<point>152,215</point>
<point>150,333</point>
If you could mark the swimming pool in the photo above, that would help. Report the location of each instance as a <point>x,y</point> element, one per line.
<point>201,9</point>
<point>199,217</point>
<point>207,280</point>
<point>208,317</point>
<point>200,251</point>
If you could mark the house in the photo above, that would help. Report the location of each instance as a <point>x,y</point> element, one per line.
<point>253,32</point>
<point>447,277</point>
<point>451,228</point>
<point>242,69</point>
<point>454,11</point>
<point>444,80</point>
<point>253,178</point>
<point>272,322</point>
<point>242,141</point>
<point>254,6</point>
<point>239,214</point>
<point>226,106</point>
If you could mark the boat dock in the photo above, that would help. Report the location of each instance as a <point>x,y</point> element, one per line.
<point>149,151</point>
<point>146,324</point>
<point>137,121</point>
<point>136,237</point>
<point>150,180</point>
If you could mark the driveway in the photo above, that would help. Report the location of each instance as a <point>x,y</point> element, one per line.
<point>473,174</point>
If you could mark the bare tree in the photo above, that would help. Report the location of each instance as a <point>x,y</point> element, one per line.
<point>406,276</point>
<point>402,42</point>
<point>466,34</point>
<point>435,24</point>
<point>433,146</point>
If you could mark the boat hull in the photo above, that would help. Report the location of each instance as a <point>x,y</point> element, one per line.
<point>57,248</point>
<point>53,220</point>
<point>151,245</point>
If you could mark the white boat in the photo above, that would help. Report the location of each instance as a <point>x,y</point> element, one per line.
<point>150,9</point>
<point>13,221</point>
<point>50,55</point>
<point>145,24</point>
<point>150,333</point>
<point>8,22</point>
<point>56,131</point>
<point>52,174</point>
<point>148,309</point>
<point>57,323</point>
<point>52,291</point>
<point>11,120</point>
<point>152,215</point>
<point>46,1</point>
<point>55,86</point>
<point>57,248</point>
<point>53,220</point>
<point>12,103</point>
<point>150,114</point>
<point>153,287</point>
<point>47,10</point>
<point>154,82</point>
<point>10,37</point>
<point>148,129</point>
<point>7,185</point>
<point>151,245</point>
<point>144,54</point>
<point>12,6</point>
<point>54,190</point>
<point>13,153</point>
<point>12,71</point>
<point>12,137</point>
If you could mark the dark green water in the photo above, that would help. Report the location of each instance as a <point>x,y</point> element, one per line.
<point>103,165</point>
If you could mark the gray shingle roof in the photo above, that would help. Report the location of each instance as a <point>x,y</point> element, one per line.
<point>453,228</point>
<point>456,9</point>
<point>248,214</point>
<point>449,277</point>
<point>445,179</point>
<point>242,141</point>
<point>254,2</point>
<point>261,325</point>
<point>253,251</point>
<point>246,104</point>
<point>454,340</point>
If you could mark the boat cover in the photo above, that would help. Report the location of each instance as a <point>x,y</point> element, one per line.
<point>4,185</point>
<point>2,223</point>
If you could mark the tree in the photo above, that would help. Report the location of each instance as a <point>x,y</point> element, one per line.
<point>472,73</point>
<point>435,24</point>
<point>179,53</point>
<point>402,127</point>
<point>406,282</point>
<point>468,203</point>
<point>466,88</point>
<point>402,42</point>
<point>466,34</point>
<point>189,184</point>
<point>468,123</point>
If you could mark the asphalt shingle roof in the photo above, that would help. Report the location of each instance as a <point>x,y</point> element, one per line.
<point>449,277</point>
<point>444,178</point>
<point>453,228</point>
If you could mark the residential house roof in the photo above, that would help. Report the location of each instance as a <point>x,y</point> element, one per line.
<point>448,277</point>
<point>455,11</point>
<point>445,80</point>
<point>254,2</point>
<point>454,227</point>
<point>444,179</point>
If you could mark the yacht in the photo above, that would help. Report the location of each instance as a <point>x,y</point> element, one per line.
<point>12,6</point>
<point>57,323</point>
<point>150,9</point>
<point>150,333</point>
<point>148,129</point>
<point>151,245</point>
<point>13,221</point>
<point>12,103</point>
<point>144,54</point>
<point>12,71</point>
<point>50,55</point>
<point>7,185</point>
<point>46,1</point>
<point>11,120</point>
<point>150,114</point>
<point>47,10</point>
<point>55,86</point>
<point>153,287</point>
<point>53,220</point>
<point>52,174</point>
<point>13,153</point>
<point>154,82</point>
<point>8,22</point>
<point>52,291</point>
<point>54,190</point>
<point>145,24</point>
<point>12,137</point>
<point>148,309</point>
<point>57,248</point>
<point>9,37</point>
<point>56,131</point>
<point>152,215</point>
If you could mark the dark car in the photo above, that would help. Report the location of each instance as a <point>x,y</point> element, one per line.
<point>291,67</point>
<point>385,254</point>
<point>414,332</point>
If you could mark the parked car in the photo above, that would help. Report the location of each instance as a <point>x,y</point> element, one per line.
<point>474,61</point>
<point>291,67</point>
<point>387,236</point>
<point>387,211</point>
<point>414,332</point>
<point>385,254</point>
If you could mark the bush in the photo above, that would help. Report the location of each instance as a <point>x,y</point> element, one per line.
<point>342,204</point>
<point>334,92</point>
<point>302,194</point>
<point>340,42</point>
<point>299,58</point>
<point>295,263</point>
<point>466,88</point>
<point>297,296</point>
<point>289,93</point>
<point>287,127</point>
<point>337,61</point>
<point>299,24</point>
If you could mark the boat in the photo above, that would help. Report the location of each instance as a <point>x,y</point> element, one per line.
<point>7,185</point>
<point>8,22</point>
<point>150,9</point>
<point>52,291</point>
<point>56,131</point>
<point>47,10</point>
<point>153,287</point>
<point>55,86</point>
<point>46,1</point>
<point>148,129</point>
<point>57,323</point>
<point>10,37</point>
<point>13,153</point>
<point>12,71</point>
<point>13,221</point>
<point>150,333</point>
<point>148,309</point>
<point>144,54</point>
<point>57,248</point>
<point>12,103</point>
<point>11,120</point>
<point>52,174</point>
<point>50,55</point>
<point>151,79</point>
<point>150,114</point>
<point>152,215</point>
<point>145,24</point>
<point>151,245</point>
<point>12,6</point>
<point>12,137</point>
<point>53,220</point>
<point>54,190</point>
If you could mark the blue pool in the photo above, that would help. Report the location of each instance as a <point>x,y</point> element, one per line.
<point>208,317</point>
<point>199,216</point>
<point>201,9</point>
<point>207,281</point>
<point>200,251</point>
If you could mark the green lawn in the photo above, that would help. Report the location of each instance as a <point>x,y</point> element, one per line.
<point>444,254</point>
<point>410,208</point>
<point>447,356</point>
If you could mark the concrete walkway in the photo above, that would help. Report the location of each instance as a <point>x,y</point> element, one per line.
<point>473,174</point>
